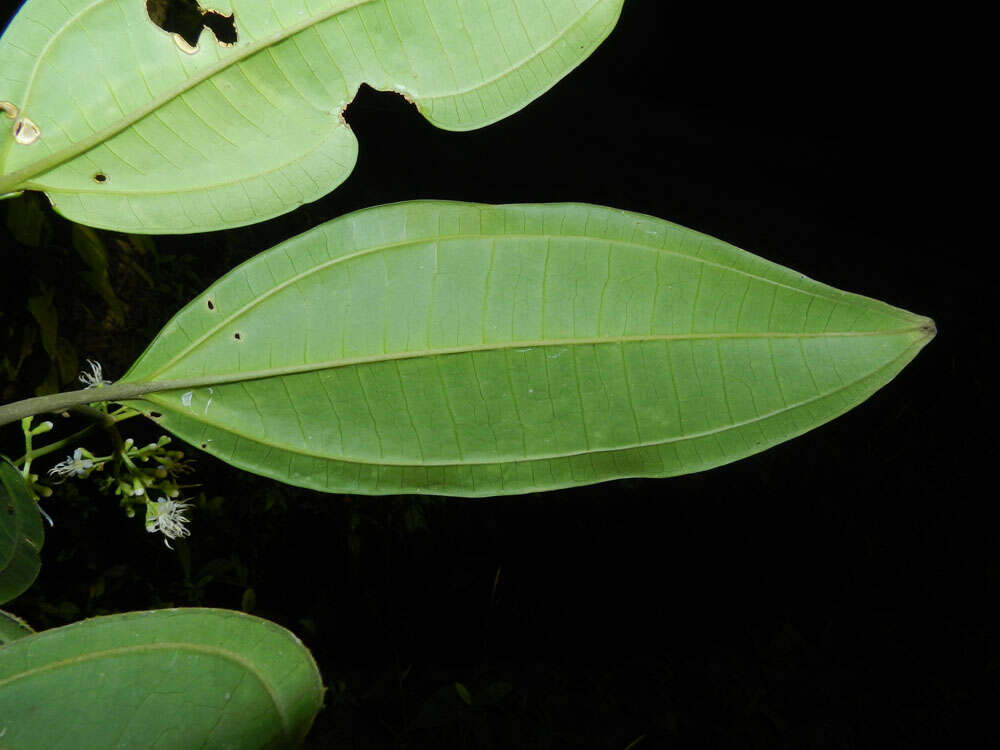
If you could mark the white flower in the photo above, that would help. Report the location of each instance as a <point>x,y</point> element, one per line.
<point>94,378</point>
<point>74,466</point>
<point>167,517</point>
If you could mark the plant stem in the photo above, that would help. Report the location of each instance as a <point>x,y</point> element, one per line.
<point>28,452</point>
<point>53,447</point>
<point>58,402</point>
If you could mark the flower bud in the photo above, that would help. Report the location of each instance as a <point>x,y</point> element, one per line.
<point>42,428</point>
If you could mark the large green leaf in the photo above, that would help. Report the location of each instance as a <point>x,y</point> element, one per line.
<point>124,129</point>
<point>176,678</point>
<point>477,350</point>
<point>21,534</point>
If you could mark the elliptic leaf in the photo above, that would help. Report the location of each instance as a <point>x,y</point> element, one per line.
<point>463,349</point>
<point>21,534</point>
<point>206,678</point>
<point>130,122</point>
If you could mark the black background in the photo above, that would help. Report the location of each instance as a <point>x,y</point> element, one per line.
<point>834,592</point>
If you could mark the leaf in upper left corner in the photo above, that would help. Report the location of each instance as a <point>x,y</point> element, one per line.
<point>21,534</point>
<point>163,117</point>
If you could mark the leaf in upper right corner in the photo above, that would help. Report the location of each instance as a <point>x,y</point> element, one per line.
<point>21,534</point>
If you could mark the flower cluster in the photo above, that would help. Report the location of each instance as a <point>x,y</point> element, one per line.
<point>141,471</point>
<point>143,477</point>
<point>138,475</point>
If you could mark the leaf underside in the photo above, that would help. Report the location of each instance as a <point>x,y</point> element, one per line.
<point>474,350</point>
<point>21,534</point>
<point>170,678</point>
<point>137,135</point>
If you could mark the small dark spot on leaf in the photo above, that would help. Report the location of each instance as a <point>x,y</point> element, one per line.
<point>155,414</point>
<point>187,18</point>
<point>211,305</point>
<point>203,446</point>
<point>237,336</point>
<point>10,510</point>
<point>100,177</point>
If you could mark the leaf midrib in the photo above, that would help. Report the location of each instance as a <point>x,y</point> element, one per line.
<point>530,459</point>
<point>176,384</point>
<point>211,331</point>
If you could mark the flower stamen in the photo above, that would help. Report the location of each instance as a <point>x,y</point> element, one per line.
<point>94,378</point>
<point>76,465</point>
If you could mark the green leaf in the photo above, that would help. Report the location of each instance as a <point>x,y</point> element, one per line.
<point>493,693</point>
<point>43,310</point>
<point>444,706</point>
<point>91,250</point>
<point>21,534</point>
<point>461,349</point>
<point>12,627</point>
<point>27,222</point>
<point>182,678</point>
<point>66,362</point>
<point>62,356</point>
<point>124,129</point>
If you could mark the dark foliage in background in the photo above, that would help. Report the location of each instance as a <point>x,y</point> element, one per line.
<point>833,592</point>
